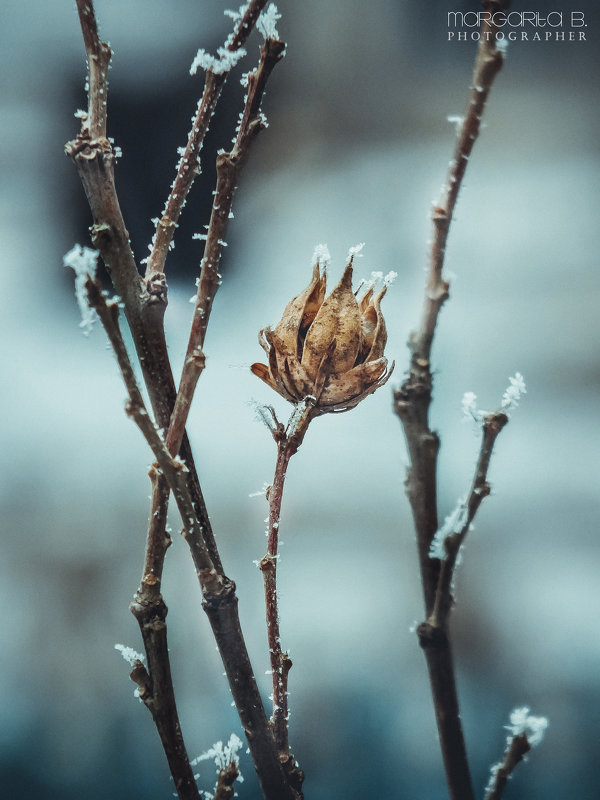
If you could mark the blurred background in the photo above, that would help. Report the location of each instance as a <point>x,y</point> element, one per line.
<point>356,151</point>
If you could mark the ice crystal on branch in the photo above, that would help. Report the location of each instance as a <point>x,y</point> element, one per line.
<point>510,400</point>
<point>267,22</point>
<point>453,524</point>
<point>224,61</point>
<point>322,256</point>
<point>522,723</point>
<point>223,756</point>
<point>129,654</point>
<point>84,262</point>
<point>356,250</point>
<point>514,392</point>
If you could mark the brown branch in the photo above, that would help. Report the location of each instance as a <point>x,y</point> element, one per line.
<point>229,166</point>
<point>480,488</point>
<point>172,468</point>
<point>437,647</point>
<point>219,598</point>
<point>488,63</point>
<point>526,732</point>
<point>227,777</point>
<point>155,683</point>
<point>516,751</point>
<point>434,636</point>
<point>411,402</point>
<point>144,300</point>
<point>288,441</point>
<point>98,58</point>
<point>189,164</point>
<point>144,303</point>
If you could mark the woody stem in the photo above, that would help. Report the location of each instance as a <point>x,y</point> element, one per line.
<point>288,442</point>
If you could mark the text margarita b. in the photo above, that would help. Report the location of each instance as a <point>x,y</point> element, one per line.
<point>524,26</point>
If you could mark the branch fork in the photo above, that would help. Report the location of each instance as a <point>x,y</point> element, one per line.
<point>144,302</point>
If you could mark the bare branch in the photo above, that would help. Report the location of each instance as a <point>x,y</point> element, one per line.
<point>516,751</point>
<point>288,443</point>
<point>173,469</point>
<point>189,164</point>
<point>411,402</point>
<point>488,63</point>
<point>227,777</point>
<point>526,732</point>
<point>219,598</point>
<point>229,166</point>
<point>98,58</point>
<point>492,425</point>
<point>144,303</point>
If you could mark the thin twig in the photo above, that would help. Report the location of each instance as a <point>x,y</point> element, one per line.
<point>172,468</point>
<point>144,303</point>
<point>412,401</point>
<point>98,58</point>
<point>480,488</point>
<point>229,166</point>
<point>155,683</point>
<point>219,599</point>
<point>225,783</point>
<point>516,751</point>
<point>288,442</point>
<point>488,63</point>
<point>189,164</point>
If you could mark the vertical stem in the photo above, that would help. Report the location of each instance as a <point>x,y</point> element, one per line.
<point>280,660</point>
<point>437,647</point>
<point>412,401</point>
<point>288,442</point>
<point>156,685</point>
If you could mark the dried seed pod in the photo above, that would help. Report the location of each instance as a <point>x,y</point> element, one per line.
<point>329,349</point>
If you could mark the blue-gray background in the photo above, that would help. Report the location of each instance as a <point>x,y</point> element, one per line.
<point>356,150</point>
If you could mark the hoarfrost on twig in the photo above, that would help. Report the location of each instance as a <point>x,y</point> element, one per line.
<point>355,251</point>
<point>129,654</point>
<point>224,61</point>
<point>223,756</point>
<point>321,256</point>
<point>514,392</point>
<point>454,523</point>
<point>267,22</point>
<point>522,723</point>
<point>84,262</point>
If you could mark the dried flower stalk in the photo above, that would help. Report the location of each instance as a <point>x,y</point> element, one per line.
<point>325,356</point>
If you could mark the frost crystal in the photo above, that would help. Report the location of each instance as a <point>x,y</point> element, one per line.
<point>223,62</point>
<point>83,261</point>
<point>454,523</point>
<point>129,654</point>
<point>223,755</point>
<point>514,392</point>
<point>267,22</point>
<point>236,16</point>
<point>522,723</point>
<point>494,769</point>
<point>321,256</point>
<point>356,250</point>
<point>469,407</point>
<point>261,492</point>
<point>456,119</point>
